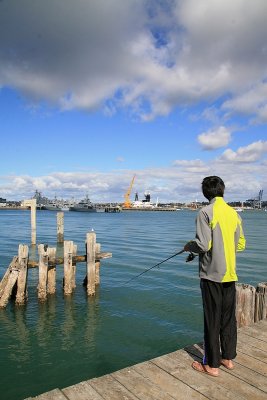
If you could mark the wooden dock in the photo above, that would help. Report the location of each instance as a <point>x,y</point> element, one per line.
<point>171,376</point>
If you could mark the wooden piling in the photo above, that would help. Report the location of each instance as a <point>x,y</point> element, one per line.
<point>9,282</point>
<point>51,273</point>
<point>6,277</point>
<point>90,252</point>
<point>74,267</point>
<point>14,281</point>
<point>60,227</point>
<point>32,204</point>
<point>68,270</point>
<point>245,304</point>
<point>33,221</point>
<point>261,301</point>
<point>97,264</point>
<point>21,296</point>
<point>43,269</point>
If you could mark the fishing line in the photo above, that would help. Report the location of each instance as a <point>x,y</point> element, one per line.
<point>190,257</point>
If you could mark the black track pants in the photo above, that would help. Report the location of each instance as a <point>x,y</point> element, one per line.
<point>220,332</point>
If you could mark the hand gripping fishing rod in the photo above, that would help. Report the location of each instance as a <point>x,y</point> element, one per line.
<point>190,257</point>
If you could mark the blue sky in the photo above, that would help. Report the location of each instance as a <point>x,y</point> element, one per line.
<point>94,92</point>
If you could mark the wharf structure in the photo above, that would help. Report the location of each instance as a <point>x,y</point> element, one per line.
<point>170,376</point>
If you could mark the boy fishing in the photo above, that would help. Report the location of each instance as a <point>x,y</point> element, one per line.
<point>219,235</point>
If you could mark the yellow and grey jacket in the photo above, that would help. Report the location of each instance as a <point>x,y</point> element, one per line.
<point>219,235</point>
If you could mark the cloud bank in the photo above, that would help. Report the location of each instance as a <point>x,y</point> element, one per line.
<point>147,56</point>
<point>179,182</point>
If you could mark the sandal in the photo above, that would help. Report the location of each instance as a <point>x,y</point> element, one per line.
<point>197,366</point>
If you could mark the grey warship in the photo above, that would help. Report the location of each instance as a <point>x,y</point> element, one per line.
<point>84,205</point>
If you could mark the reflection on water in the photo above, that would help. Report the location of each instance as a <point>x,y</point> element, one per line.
<point>14,326</point>
<point>72,338</point>
<point>46,317</point>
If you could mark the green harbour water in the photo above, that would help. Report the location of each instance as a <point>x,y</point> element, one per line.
<point>69,339</point>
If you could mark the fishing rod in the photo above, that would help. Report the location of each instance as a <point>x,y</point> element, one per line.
<point>190,257</point>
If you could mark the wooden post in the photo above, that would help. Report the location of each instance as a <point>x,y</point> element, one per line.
<point>90,252</point>
<point>43,269</point>
<point>33,220</point>
<point>97,264</point>
<point>6,277</point>
<point>21,296</point>
<point>11,279</point>
<point>68,272</point>
<point>261,302</point>
<point>74,267</point>
<point>245,304</point>
<point>51,274</point>
<point>60,227</point>
<point>32,203</point>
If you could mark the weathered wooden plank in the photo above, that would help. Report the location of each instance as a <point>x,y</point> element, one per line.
<point>76,259</point>
<point>255,343</point>
<point>141,387</point>
<point>11,280</point>
<point>258,331</point>
<point>251,377</point>
<point>169,383</point>
<point>179,363</point>
<point>236,387</point>
<point>251,362</point>
<point>245,347</point>
<point>81,391</point>
<point>110,389</point>
<point>54,394</point>
<point>243,371</point>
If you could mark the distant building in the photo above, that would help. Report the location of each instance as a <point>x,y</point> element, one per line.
<point>2,202</point>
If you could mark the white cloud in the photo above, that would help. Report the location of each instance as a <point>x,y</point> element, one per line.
<point>215,139</point>
<point>179,182</point>
<point>249,154</point>
<point>192,166</point>
<point>252,102</point>
<point>147,55</point>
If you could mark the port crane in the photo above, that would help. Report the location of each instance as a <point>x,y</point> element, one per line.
<point>258,200</point>
<point>127,202</point>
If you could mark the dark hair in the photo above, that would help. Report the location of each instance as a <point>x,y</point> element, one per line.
<point>212,186</point>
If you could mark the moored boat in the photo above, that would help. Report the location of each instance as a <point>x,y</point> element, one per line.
<point>51,207</point>
<point>84,205</point>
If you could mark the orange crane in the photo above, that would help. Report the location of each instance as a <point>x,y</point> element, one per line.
<point>127,202</point>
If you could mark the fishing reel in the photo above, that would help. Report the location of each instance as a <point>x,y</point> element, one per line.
<point>191,256</point>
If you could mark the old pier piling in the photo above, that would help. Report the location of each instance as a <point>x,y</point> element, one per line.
<point>60,227</point>
<point>251,303</point>
<point>14,281</point>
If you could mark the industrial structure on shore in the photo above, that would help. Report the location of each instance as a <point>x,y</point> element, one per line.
<point>44,203</point>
